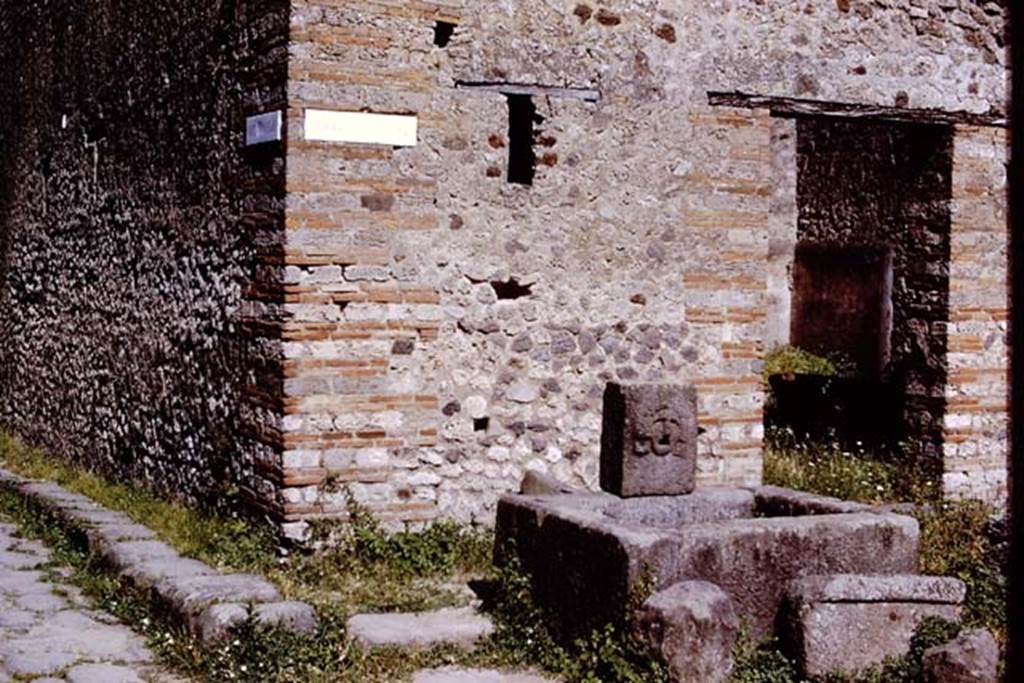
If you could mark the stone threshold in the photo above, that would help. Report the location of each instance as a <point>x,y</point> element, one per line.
<point>211,604</point>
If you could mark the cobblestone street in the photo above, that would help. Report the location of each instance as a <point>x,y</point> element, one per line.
<point>49,631</point>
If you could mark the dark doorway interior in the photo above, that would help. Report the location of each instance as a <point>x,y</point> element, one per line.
<point>871,276</point>
<point>842,303</point>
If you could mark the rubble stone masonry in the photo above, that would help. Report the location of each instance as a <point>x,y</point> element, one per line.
<point>416,325</point>
<point>130,228</point>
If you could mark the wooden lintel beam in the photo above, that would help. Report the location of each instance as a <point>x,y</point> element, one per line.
<point>793,107</point>
<point>585,94</point>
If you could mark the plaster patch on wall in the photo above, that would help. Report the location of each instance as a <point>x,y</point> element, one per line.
<point>361,128</point>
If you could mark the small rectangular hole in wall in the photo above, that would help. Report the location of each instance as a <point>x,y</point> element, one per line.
<point>443,32</point>
<point>481,424</point>
<point>522,162</point>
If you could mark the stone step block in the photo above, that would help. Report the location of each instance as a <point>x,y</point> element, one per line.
<point>459,626</point>
<point>457,675</point>
<point>973,657</point>
<point>848,623</point>
<point>193,594</point>
<point>218,621</point>
<point>146,573</point>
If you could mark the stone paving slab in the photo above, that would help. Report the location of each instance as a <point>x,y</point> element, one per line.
<point>185,586</point>
<point>48,630</point>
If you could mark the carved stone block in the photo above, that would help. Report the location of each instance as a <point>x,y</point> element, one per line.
<point>649,440</point>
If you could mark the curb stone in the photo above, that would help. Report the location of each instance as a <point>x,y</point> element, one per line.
<point>196,594</point>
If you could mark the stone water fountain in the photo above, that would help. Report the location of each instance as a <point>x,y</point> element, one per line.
<point>835,580</point>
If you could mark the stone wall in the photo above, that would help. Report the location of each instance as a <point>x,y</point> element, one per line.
<point>449,329</point>
<point>127,231</point>
<point>403,322</point>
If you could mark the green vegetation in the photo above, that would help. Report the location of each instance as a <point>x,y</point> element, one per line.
<point>220,538</point>
<point>362,567</point>
<point>761,662</point>
<point>783,360</point>
<point>828,469</point>
<point>954,542</point>
<point>611,653</point>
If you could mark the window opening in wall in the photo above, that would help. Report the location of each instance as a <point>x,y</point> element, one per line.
<point>481,424</point>
<point>522,119</point>
<point>443,32</point>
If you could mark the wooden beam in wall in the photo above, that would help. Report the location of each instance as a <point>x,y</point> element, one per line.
<point>793,107</point>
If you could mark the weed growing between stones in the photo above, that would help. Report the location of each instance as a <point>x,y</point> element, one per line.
<point>956,541</point>
<point>760,662</point>
<point>366,568</point>
<point>955,536</point>
<point>255,653</point>
<point>220,537</point>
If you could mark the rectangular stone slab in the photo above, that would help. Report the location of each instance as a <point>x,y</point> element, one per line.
<point>649,440</point>
<point>849,637</point>
<point>942,590</point>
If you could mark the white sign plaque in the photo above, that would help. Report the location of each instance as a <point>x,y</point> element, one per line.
<point>394,130</point>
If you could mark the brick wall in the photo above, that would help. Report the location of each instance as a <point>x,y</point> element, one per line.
<point>977,394</point>
<point>447,329</point>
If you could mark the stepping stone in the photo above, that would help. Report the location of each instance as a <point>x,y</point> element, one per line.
<point>460,626</point>
<point>113,533</point>
<point>217,621</point>
<point>147,573</point>
<point>191,596</point>
<point>973,657</point>
<point>454,675</point>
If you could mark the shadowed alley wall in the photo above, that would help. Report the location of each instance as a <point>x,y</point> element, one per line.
<point>125,254</point>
